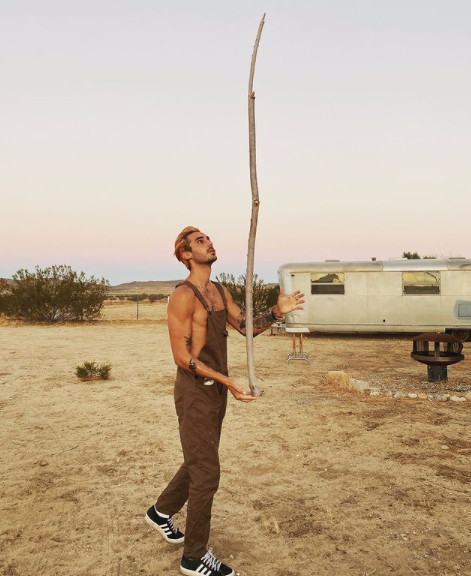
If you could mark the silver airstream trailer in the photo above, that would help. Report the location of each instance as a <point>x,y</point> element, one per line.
<point>389,296</point>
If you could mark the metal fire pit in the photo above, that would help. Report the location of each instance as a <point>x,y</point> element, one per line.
<point>437,351</point>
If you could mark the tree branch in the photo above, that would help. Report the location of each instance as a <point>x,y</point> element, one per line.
<point>253,223</point>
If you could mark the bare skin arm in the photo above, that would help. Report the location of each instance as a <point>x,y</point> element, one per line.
<point>285,304</point>
<point>181,311</point>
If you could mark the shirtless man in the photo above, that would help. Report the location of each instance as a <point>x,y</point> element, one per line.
<point>198,313</point>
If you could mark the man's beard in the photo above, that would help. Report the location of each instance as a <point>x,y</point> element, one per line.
<point>210,258</point>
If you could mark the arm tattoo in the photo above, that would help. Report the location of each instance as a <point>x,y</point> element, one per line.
<point>259,323</point>
<point>188,340</point>
<point>263,322</point>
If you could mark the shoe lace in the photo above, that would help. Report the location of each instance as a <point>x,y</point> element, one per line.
<point>211,561</point>
<point>172,525</point>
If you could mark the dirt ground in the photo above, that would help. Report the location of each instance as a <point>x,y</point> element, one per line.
<point>314,480</point>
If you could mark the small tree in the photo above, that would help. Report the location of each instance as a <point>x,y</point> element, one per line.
<point>53,294</point>
<point>264,296</point>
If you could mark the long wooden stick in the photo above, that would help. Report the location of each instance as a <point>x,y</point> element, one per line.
<point>253,223</point>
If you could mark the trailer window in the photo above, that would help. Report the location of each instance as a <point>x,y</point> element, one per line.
<point>328,283</point>
<point>421,282</point>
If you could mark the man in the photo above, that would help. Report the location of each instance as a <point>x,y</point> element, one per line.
<point>198,311</point>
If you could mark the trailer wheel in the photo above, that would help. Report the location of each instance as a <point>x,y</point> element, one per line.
<point>462,335</point>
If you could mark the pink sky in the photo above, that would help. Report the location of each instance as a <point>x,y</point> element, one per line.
<point>109,147</point>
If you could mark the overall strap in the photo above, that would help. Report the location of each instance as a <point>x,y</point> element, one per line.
<point>221,292</point>
<point>196,292</point>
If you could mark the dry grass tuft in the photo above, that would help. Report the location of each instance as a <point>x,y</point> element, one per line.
<point>339,379</point>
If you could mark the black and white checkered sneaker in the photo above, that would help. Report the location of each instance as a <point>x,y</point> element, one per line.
<point>209,565</point>
<point>164,524</point>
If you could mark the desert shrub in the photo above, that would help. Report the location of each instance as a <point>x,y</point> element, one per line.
<point>156,297</point>
<point>264,296</point>
<point>93,371</point>
<point>411,255</point>
<point>54,294</point>
<point>144,296</point>
<point>4,296</point>
<point>416,256</point>
<point>136,297</point>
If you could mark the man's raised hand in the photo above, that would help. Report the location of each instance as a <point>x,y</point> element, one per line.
<point>288,303</point>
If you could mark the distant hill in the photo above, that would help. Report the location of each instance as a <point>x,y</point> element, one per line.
<point>149,287</point>
<point>138,287</point>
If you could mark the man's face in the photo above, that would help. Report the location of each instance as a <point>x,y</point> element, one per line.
<point>202,248</point>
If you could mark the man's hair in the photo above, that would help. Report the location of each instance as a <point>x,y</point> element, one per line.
<point>182,244</point>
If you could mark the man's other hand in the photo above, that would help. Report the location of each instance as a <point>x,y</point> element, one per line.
<point>239,394</point>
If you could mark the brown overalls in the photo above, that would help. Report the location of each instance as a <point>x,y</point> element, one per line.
<point>200,409</point>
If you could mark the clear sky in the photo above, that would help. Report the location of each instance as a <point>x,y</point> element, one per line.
<point>123,121</point>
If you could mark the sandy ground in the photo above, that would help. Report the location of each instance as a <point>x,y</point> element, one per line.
<point>315,481</point>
